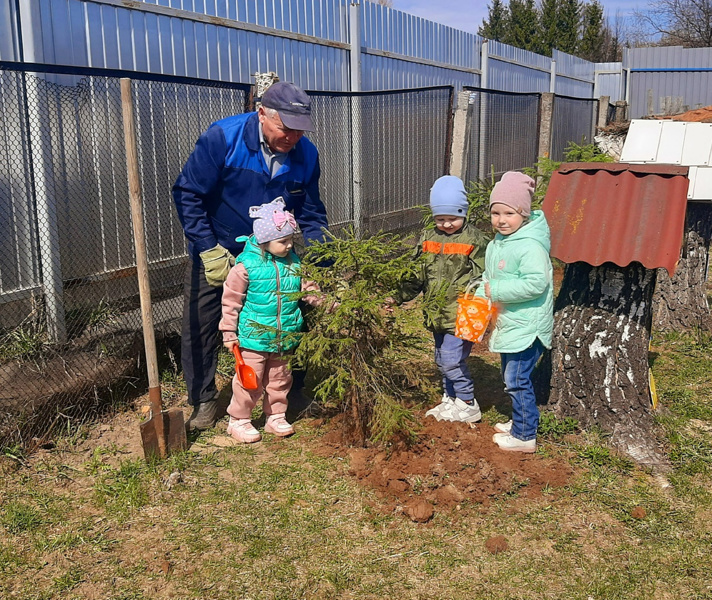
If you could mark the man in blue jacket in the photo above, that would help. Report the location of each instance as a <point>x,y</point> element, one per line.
<point>241,161</point>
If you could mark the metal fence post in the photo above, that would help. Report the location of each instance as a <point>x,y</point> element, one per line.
<point>41,173</point>
<point>46,210</point>
<point>357,181</point>
<point>552,78</point>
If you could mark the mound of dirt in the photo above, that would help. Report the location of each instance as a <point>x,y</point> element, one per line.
<point>449,464</point>
<point>696,115</point>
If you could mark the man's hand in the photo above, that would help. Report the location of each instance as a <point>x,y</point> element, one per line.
<point>217,263</point>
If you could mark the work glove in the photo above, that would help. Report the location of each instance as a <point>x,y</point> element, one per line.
<point>217,263</point>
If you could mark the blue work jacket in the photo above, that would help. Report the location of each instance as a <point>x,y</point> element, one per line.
<point>226,174</point>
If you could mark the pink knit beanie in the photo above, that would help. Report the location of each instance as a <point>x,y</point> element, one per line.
<point>515,190</point>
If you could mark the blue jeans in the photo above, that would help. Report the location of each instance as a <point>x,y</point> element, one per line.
<point>450,355</point>
<point>517,375</point>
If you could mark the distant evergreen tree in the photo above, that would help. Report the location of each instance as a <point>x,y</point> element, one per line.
<point>494,27</point>
<point>548,26</point>
<point>576,27</point>
<point>569,20</point>
<point>612,40</point>
<point>592,46</point>
<point>523,30</point>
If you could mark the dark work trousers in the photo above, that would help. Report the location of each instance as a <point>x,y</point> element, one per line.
<point>200,340</point>
<point>202,309</point>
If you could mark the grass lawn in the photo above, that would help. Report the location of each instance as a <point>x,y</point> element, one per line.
<point>290,519</point>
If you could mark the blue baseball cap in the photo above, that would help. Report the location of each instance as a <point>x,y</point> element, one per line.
<point>291,103</point>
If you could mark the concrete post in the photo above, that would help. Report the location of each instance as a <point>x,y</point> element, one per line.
<point>603,103</point>
<point>460,137</point>
<point>263,81</point>
<point>484,108</point>
<point>546,115</point>
<point>621,113</point>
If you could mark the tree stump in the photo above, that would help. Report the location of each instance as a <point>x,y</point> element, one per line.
<point>680,302</point>
<point>599,362</point>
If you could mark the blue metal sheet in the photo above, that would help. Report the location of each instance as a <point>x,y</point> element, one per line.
<point>8,31</point>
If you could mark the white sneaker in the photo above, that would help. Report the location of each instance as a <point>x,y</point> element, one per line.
<point>503,427</point>
<point>509,443</point>
<point>437,410</point>
<point>462,412</point>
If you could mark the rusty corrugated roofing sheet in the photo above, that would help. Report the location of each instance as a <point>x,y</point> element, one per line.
<point>617,212</point>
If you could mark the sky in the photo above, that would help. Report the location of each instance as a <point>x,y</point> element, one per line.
<point>468,14</point>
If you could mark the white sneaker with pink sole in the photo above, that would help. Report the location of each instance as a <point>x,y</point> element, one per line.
<point>278,425</point>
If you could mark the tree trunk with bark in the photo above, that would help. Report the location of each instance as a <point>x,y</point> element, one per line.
<point>680,302</point>
<point>599,362</point>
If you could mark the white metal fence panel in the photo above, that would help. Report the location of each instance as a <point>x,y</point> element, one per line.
<point>305,41</point>
<point>515,70</point>
<point>574,76</point>
<point>609,81</point>
<point>320,18</point>
<point>177,40</point>
<point>402,51</point>
<point>381,73</point>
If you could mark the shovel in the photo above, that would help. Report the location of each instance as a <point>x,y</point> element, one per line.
<point>245,374</point>
<point>164,432</point>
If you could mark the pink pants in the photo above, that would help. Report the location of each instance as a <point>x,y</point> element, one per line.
<point>274,381</point>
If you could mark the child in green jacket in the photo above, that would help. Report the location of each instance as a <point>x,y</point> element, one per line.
<point>453,255</point>
<point>519,279</point>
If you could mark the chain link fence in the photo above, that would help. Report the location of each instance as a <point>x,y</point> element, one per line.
<point>503,133</point>
<point>69,306</point>
<point>70,324</point>
<point>380,153</point>
<point>574,120</point>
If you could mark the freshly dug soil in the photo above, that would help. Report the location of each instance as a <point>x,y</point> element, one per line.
<point>449,465</point>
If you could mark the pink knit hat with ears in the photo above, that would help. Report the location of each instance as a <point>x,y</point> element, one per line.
<point>515,190</point>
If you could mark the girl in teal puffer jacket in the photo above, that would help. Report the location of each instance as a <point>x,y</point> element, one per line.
<point>261,314</point>
<point>519,279</point>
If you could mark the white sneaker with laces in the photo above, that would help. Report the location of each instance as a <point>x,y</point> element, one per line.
<point>437,410</point>
<point>462,412</point>
<point>511,444</point>
<point>503,427</point>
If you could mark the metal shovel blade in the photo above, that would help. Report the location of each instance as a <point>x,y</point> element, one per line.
<point>173,430</point>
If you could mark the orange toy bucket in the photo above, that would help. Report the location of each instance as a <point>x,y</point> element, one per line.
<point>474,314</point>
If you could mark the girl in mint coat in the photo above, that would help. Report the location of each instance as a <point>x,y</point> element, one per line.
<point>519,279</point>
